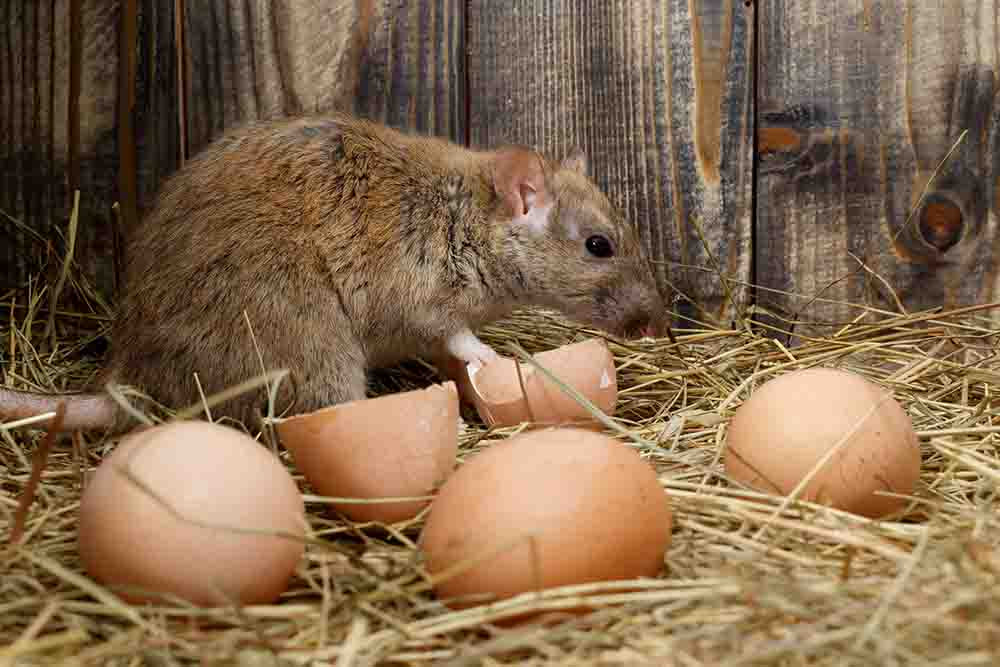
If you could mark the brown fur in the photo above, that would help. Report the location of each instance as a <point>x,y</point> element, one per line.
<point>347,245</point>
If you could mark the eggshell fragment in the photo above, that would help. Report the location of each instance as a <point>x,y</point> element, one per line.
<point>546,508</point>
<point>588,367</point>
<point>455,370</point>
<point>783,430</point>
<point>393,446</point>
<point>219,482</point>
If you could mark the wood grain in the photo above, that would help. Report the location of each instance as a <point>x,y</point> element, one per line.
<point>24,119</point>
<point>253,59</point>
<point>55,134</point>
<point>397,62</point>
<point>413,73</point>
<point>657,94</point>
<point>155,109</point>
<point>35,64</point>
<point>240,60</point>
<point>860,102</point>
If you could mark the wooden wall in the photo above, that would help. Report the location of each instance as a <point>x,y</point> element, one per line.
<point>853,104</point>
<point>859,104</point>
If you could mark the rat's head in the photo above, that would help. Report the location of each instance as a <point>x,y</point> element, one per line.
<point>571,249</point>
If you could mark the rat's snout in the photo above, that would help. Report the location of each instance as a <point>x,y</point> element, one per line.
<point>638,326</point>
<point>623,301</point>
<point>643,313</point>
<point>645,326</point>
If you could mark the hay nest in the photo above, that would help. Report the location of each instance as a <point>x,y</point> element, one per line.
<point>744,583</point>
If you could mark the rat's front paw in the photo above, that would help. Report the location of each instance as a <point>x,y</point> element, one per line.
<point>484,355</point>
<point>467,348</point>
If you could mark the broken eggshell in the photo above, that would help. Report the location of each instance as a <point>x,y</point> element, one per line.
<point>455,370</point>
<point>588,367</point>
<point>393,446</point>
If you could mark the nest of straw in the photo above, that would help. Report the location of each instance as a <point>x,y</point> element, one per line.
<point>746,581</point>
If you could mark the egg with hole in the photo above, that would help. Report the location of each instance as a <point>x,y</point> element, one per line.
<point>790,423</point>
<point>193,510</point>
<point>545,508</point>
<point>507,393</point>
<point>395,448</point>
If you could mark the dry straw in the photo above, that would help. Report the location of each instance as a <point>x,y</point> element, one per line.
<point>816,587</point>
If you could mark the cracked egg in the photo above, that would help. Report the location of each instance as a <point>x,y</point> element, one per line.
<point>393,447</point>
<point>504,397</point>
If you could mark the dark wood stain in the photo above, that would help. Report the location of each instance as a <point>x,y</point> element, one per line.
<point>858,110</point>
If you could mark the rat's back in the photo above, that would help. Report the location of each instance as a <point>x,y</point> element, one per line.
<point>252,253</point>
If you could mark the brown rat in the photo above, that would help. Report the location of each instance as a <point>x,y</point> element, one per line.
<point>350,246</point>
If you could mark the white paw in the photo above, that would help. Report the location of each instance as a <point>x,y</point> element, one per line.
<point>485,355</point>
<point>466,347</point>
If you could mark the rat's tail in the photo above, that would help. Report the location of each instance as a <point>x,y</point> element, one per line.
<point>83,411</point>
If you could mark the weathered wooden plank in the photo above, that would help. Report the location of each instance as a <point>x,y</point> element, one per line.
<point>157,98</point>
<point>17,83</point>
<point>413,72</point>
<point>56,134</point>
<point>244,59</point>
<point>91,135</point>
<point>657,93</point>
<point>860,103</point>
<point>400,63</point>
<point>29,121</point>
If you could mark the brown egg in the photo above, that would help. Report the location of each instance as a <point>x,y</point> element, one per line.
<point>782,431</point>
<point>588,367</point>
<point>210,474</point>
<point>546,508</point>
<point>393,446</point>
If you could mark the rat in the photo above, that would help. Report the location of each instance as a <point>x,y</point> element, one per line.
<point>332,245</point>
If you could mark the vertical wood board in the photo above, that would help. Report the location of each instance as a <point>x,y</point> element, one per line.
<point>397,62</point>
<point>413,73</point>
<point>860,102</point>
<point>53,136</point>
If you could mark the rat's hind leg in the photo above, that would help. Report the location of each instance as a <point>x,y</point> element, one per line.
<point>338,375</point>
<point>316,378</point>
<point>321,390</point>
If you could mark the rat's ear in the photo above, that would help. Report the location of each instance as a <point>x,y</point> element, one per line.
<point>519,179</point>
<point>576,160</point>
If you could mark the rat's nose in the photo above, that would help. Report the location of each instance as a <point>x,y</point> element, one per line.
<point>639,327</point>
<point>652,326</point>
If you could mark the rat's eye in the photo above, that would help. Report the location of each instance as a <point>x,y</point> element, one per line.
<point>599,246</point>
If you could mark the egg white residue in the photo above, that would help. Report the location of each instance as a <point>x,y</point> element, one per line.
<point>605,379</point>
